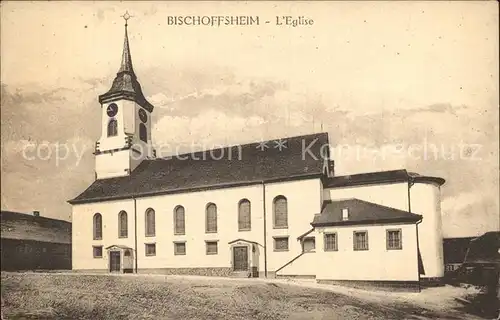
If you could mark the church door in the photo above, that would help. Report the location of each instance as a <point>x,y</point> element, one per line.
<point>240,258</point>
<point>114,261</point>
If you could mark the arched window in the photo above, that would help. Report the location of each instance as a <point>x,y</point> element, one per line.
<point>97,226</point>
<point>244,215</point>
<point>143,132</point>
<point>179,220</point>
<point>280,212</point>
<point>150,223</point>
<point>211,218</point>
<point>112,128</point>
<point>122,224</point>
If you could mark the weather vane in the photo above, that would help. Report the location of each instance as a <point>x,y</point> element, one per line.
<point>125,17</point>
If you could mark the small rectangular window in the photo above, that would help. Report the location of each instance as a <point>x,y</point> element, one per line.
<point>280,243</point>
<point>97,251</point>
<point>345,214</point>
<point>360,240</point>
<point>394,240</point>
<point>179,248</point>
<point>211,247</point>
<point>150,249</point>
<point>449,267</point>
<point>331,242</point>
<point>309,244</point>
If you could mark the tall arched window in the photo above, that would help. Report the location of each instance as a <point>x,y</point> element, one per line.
<point>179,220</point>
<point>143,132</point>
<point>97,226</point>
<point>211,218</point>
<point>112,128</point>
<point>150,223</point>
<point>122,224</point>
<point>244,215</point>
<point>280,212</point>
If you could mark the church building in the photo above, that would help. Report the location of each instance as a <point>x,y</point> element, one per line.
<point>264,209</point>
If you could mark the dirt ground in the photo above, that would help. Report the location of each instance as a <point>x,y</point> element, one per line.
<point>75,296</point>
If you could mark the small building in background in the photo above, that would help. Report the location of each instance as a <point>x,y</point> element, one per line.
<point>454,251</point>
<point>482,260</point>
<point>473,260</point>
<point>33,242</point>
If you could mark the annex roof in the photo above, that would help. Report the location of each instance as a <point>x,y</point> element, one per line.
<point>360,213</point>
<point>379,177</point>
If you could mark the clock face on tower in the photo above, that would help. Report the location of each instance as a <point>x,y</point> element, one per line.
<point>112,110</point>
<point>143,115</point>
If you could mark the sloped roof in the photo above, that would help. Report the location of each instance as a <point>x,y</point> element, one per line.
<point>454,249</point>
<point>120,246</point>
<point>224,167</point>
<point>484,249</point>
<point>391,176</point>
<point>15,225</point>
<point>243,240</point>
<point>360,212</point>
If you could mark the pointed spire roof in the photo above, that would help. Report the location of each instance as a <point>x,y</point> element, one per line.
<point>125,85</point>
<point>126,65</point>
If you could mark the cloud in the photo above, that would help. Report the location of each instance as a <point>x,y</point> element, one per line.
<point>47,125</point>
<point>209,129</point>
<point>474,212</point>
<point>160,100</point>
<point>460,202</point>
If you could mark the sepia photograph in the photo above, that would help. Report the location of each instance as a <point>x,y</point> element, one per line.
<point>247,160</point>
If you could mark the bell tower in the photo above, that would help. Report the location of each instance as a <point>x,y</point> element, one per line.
<point>126,122</point>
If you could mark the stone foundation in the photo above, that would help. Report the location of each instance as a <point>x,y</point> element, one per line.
<point>404,286</point>
<point>212,272</point>
<point>298,276</point>
<point>90,270</point>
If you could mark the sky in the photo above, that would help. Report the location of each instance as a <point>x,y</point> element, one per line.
<point>395,84</point>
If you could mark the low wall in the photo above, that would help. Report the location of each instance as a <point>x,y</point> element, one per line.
<point>213,272</point>
<point>405,286</point>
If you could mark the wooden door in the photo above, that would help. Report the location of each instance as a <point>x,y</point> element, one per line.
<point>114,261</point>
<point>240,258</point>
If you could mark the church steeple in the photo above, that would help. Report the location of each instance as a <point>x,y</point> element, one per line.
<point>125,122</point>
<point>125,85</point>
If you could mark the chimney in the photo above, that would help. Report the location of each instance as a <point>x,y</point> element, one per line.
<point>36,213</point>
<point>345,214</point>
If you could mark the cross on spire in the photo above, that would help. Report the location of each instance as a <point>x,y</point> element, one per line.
<point>125,17</point>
